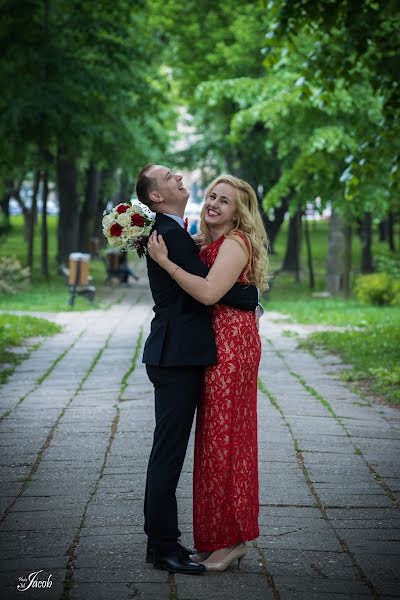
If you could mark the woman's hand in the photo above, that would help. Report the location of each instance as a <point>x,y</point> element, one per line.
<point>157,249</point>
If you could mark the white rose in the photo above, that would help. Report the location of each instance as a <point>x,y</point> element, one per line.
<point>124,219</point>
<point>107,221</point>
<point>134,231</point>
<point>115,242</point>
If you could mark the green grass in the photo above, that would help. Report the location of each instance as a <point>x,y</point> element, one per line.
<point>13,243</point>
<point>14,331</point>
<point>49,296</point>
<point>301,307</point>
<point>44,295</point>
<point>374,355</point>
<point>373,351</point>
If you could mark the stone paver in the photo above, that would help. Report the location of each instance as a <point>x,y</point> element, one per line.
<point>76,431</point>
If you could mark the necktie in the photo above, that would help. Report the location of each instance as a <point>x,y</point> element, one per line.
<point>185,223</point>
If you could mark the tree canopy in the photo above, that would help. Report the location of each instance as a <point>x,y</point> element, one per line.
<point>300,98</point>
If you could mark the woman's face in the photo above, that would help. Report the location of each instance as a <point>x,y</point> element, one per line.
<point>220,205</point>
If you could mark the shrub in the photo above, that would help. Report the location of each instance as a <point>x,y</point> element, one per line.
<point>389,265</point>
<point>378,289</point>
<point>12,275</point>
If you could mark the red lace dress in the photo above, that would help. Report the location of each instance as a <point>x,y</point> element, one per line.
<point>225,479</point>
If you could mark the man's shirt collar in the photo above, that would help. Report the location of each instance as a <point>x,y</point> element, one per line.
<point>176,218</point>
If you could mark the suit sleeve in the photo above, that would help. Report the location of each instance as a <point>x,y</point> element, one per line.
<point>183,251</point>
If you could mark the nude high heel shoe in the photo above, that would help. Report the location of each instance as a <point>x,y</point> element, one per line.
<point>237,553</point>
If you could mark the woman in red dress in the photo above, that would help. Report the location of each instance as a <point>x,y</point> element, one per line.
<point>225,479</point>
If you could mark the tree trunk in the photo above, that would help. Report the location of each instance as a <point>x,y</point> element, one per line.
<point>390,232</point>
<point>44,240</point>
<point>124,188</point>
<point>89,209</point>
<point>68,221</point>
<point>105,179</point>
<point>272,227</point>
<point>382,228</point>
<point>291,262</point>
<point>334,275</point>
<point>309,255</point>
<point>367,265</point>
<point>34,209</point>
<point>5,209</point>
<point>25,210</point>
<point>347,260</point>
<point>5,203</point>
<point>30,224</point>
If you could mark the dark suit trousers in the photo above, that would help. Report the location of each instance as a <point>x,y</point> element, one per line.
<point>177,391</point>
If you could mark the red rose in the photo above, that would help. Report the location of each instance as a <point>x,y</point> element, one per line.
<point>137,220</point>
<point>115,230</point>
<point>121,208</point>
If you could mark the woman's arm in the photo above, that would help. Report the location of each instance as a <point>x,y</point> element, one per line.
<point>230,262</point>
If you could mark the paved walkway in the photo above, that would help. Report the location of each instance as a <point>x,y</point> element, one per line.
<point>76,431</point>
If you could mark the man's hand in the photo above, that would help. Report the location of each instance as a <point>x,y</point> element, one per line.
<point>257,314</point>
<point>198,239</point>
<point>157,249</point>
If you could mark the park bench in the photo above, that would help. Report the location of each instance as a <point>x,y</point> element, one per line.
<point>77,277</point>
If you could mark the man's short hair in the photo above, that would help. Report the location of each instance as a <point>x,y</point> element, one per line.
<point>145,185</point>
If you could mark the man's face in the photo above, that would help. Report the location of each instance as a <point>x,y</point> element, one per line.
<point>169,186</point>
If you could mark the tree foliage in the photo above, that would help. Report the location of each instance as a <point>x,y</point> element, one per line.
<point>82,81</point>
<point>355,44</point>
<point>83,73</point>
<point>274,98</point>
<point>300,98</point>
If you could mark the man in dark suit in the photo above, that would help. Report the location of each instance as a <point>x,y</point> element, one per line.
<point>180,345</point>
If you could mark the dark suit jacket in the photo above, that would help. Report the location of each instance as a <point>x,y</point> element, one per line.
<point>181,332</point>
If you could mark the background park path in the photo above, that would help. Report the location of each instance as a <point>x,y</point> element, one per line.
<point>76,431</point>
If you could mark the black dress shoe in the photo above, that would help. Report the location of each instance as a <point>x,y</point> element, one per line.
<point>185,552</point>
<point>176,563</point>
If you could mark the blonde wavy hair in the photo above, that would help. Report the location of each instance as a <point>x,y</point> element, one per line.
<point>248,221</point>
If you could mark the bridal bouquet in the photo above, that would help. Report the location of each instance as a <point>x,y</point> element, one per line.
<point>127,227</point>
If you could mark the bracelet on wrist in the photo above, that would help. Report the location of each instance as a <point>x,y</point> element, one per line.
<point>173,272</point>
